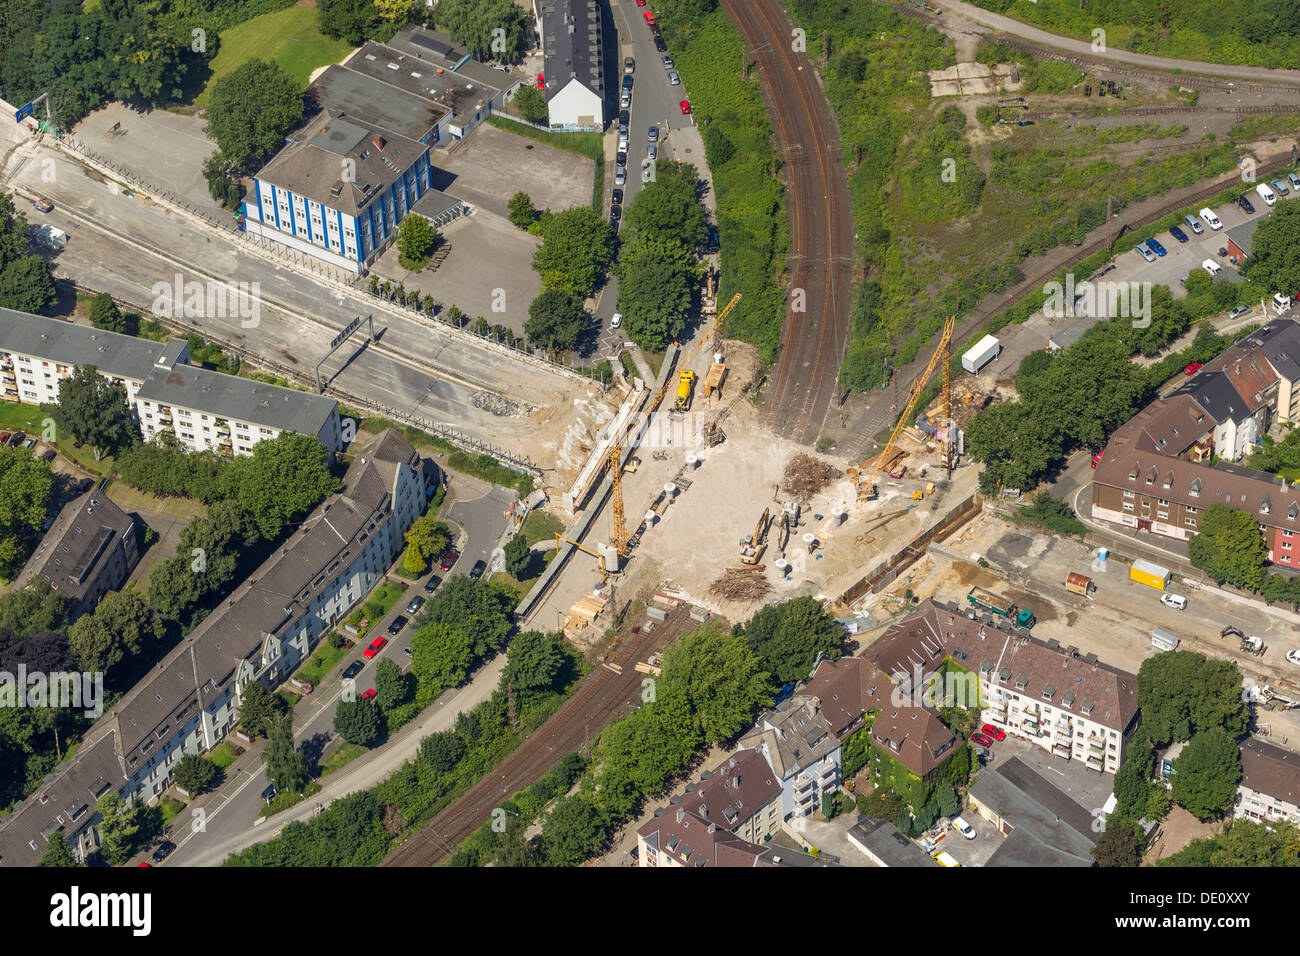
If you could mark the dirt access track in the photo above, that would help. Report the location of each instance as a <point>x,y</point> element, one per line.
<point>806,379</point>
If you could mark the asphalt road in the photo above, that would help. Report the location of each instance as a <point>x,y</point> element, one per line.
<point>806,379</point>
<point>231,813</point>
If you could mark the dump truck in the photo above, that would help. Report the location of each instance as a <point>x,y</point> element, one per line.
<point>1152,575</point>
<point>1077,583</point>
<point>685,383</point>
<point>717,372</point>
<point>991,602</point>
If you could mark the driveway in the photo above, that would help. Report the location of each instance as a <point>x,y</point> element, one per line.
<point>492,165</point>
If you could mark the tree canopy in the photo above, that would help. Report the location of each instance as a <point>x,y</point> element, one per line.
<point>475,23</point>
<point>1206,774</point>
<point>788,636</point>
<point>657,282</point>
<point>1272,263</point>
<point>251,109</point>
<point>577,245</point>
<point>1228,547</point>
<point>25,484</point>
<point>1181,693</point>
<point>669,207</point>
<point>93,411</point>
<point>556,319</point>
<point>121,626</point>
<point>416,239</point>
<point>721,679</point>
<point>1243,843</point>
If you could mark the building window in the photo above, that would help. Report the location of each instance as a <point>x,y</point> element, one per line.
<point>1128,506</point>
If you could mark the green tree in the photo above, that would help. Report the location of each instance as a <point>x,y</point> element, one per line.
<point>474,23</point>
<point>522,213</point>
<point>251,109</point>
<point>125,827</point>
<point>534,662</point>
<point>24,495</point>
<point>286,765</point>
<point>352,20</point>
<point>1133,786</point>
<point>788,636</point>
<point>532,106</point>
<point>1272,263</point>
<point>57,852</point>
<point>427,538</point>
<point>222,186</point>
<point>440,656</point>
<point>195,774</point>
<point>479,610</point>
<point>1206,774</point>
<point>26,285</point>
<point>1243,843</point>
<point>669,207</point>
<point>104,314</point>
<point>281,481</point>
<point>658,280</point>
<point>93,411</point>
<point>1228,547</point>
<point>442,751</point>
<point>1118,845</point>
<point>519,557</point>
<point>577,245</point>
<point>392,687</point>
<point>121,626</point>
<point>32,609</point>
<point>572,832</point>
<point>721,680</point>
<point>881,804</point>
<point>1181,693</point>
<point>416,239</point>
<point>556,319</point>
<point>259,710</point>
<point>358,722</point>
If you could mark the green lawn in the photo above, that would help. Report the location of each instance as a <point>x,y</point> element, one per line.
<point>379,603</point>
<point>224,756</point>
<point>321,662</point>
<point>540,526</point>
<point>288,37</point>
<point>171,810</point>
<point>341,758</point>
<point>17,415</point>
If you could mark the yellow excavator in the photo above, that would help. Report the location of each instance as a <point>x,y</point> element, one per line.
<point>752,548</point>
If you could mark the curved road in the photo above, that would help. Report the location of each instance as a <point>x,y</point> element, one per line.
<point>1034,34</point>
<point>806,379</point>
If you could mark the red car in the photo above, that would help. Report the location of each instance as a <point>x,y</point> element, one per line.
<point>981,740</point>
<point>541,81</point>
<point>640,3</point>
<point>1193,368</point>
<point>988,730</point>
<point>649,17</point>
<point>686,107</point>
<point>369,695</point>
<point>377,645</point>
<point>448,559</point>
<point>1096,459</point>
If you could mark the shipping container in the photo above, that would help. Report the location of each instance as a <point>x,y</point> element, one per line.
<point>1077,583</point>
<point>1162,640</point>
<point>1152,575</point>
<point>983,352</point>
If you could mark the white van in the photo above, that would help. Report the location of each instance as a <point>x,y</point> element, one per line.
<point>1211,219</point>
<point>1266,194</point>
<point>964,828</point>
<point>1212,267</point>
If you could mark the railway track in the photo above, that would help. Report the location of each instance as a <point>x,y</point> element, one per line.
<point>602,696</point>
<point>805,381</point>
<point>1278,109</point>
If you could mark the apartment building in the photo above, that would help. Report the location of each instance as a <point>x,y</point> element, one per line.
<point>262,632</point>
<point>572,48</point>
<point>1279,343</point>
<point>802,751</point>
<point>205,410</point>
<point>36,353</point>
<point>88,551</point>
<point>1270,783</point>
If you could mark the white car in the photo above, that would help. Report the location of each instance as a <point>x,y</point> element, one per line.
<point>1173,600</point>
<point>964,828</point>
<point>1281,302</point>
<point>1293,656</point>
<point>1212,267</point>
<point>1211,219</point>
<point>616,321</point>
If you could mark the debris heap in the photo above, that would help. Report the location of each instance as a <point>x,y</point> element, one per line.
<point>741,584</point>
<point>806,475</point>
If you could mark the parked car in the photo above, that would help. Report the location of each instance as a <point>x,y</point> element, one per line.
<point>620,158</point>
<point>624,117</point>
<point>625,99</point>
<point>667,61</point>
<point>1212,267</point>
<point>964,828</point>
<point>415,604</point>
<point>476,572</point>
<point>541,81</point>
<point>1142,250</point>
<point>1245,203</point>
<point>1211,219</point>
<point>651,151</point>
<point>1193,367</point>
<point>1238,312</point>
<point>1293,656</point>
<point>615,214</point>
<point>353,669</point>
<point>369,694</point>
<point>620,175</point>
<point>673,78</point>
<point>686,107</point>
<point>395,628</point>
<point>629,65</point>
<point>448,559</point>
<point>649,17</point>
<point>982,740</point>
<point>17,438</point>
<point>617,197</point>
<point>269,794</point>
<point>1279,187</point>
<point>1155,247</point>
<point>997,733</point>
<point>164,850</point>
<point>407,650</point>
<point>1096,459</point>
<point>377,645</point>
<point>1177,233</point>
<point>1194,224</point>
<point>627,82</point>
<point>660,45</point>
<point>1176,601</point>
<point>431,585</point>
<point>1294,180</point>
<point>29,443</point>
<point>43,204</point>
<point>652,134</point>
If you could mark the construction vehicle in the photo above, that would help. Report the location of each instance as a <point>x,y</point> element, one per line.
<point>685,385</point>
<point>991,602</point>
<point>752,548</point>
<point>865,474</point>
<point>713,435</point>
<point>784,536</point>
<point>717,372</point>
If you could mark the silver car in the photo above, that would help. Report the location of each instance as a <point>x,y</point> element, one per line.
<point>1279,187</point>
<point>651,151</point>
<point>1146,253</point>
<point>1194,224</point>
<point>1294,180</point>
<point>673,78</point>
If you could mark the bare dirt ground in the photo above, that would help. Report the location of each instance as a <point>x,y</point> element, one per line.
<point>1178,829</point>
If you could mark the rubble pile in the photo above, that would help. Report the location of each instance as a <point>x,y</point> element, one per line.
<point>741,584</point>
<point>498,404</point>
<point>806,475</point>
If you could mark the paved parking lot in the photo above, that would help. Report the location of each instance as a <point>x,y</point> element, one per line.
<point>492,165</point>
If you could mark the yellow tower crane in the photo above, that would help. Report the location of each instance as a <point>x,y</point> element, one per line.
<point>865,474</point>
<point>614,462</point>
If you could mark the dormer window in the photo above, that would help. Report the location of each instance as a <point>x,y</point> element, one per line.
<point>1266,505</point>
<point>1133,472</point>
<point>1292,511</point>
<point>1195,489</point>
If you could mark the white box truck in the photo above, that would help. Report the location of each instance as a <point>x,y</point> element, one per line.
<point>51,237</point>
<point>983,352</point>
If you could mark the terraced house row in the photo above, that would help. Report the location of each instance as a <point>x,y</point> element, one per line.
<point>270,624</point>
<point>204,410</point>
<point>1176,457</point>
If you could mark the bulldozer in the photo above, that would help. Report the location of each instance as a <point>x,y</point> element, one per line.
<point>752,548</point>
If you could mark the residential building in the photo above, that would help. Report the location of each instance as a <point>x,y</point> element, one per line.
<point>205,410</point>
<point>1239,240</point>
<point>803,752</point>
<point>677,837</point>
<point>267,627</point>
<point>37,353</point>
<point>1235,390</point>
<point>1043,826</point>
<point>885,845</point>
<point>88,551</point>
<point>1270,783</point>
<point>572,52</point>
<point>1279,343</point>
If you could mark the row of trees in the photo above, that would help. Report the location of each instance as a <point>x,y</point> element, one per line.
<point>1230,549</point>
<point>26,283</point>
